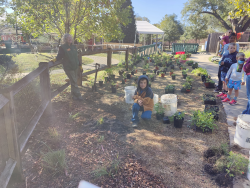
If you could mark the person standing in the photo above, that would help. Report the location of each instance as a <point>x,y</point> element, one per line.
<point>246,69</point>
<point>68,54</point>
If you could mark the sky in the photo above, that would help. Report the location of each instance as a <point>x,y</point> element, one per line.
<point>155,10</point>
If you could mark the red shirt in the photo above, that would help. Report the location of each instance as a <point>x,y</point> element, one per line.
<point>225,40</point>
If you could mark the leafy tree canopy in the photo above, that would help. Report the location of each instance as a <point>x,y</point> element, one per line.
<point>172,28</point>
<point>218,9</point>
<point>80,18</point>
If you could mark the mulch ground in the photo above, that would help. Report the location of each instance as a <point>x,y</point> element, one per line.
<point>111,153</point>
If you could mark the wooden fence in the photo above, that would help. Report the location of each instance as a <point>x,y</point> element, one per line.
<point>11,143</point>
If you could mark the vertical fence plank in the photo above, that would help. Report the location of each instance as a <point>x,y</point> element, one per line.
<point>4,154</point>
<point>45,87</point>
<point>11,131</point>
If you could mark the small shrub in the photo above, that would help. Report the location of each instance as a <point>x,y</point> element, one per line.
<point>54,133</point>
<point>54,161</point>
<point>203,120</point>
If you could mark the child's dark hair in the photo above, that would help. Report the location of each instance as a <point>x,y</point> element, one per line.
<point>143,79</point>
<point>232,35</point>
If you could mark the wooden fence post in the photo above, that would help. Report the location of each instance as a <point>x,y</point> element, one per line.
<point>126,59</point>
<point>79,73</point>
<point>45,87</point>
<point>109,57</point>
<point>12,134</point>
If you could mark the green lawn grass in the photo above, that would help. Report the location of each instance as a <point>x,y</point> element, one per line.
<point>29,62</point>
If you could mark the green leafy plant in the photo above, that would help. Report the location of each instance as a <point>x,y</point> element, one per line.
<point>151,76</point>
<point>187,85</point>
<point>124,75</point>
<point>170,87</point>
<point>173,75</point>
<point>172,70</point>
<point>100,121</point>
<point>183,56</point>
<point>179,115</point>
<point>184,72</point>
<point>189,79</point>
<point>54,161</point>
<point>158,108</point>
<point>236,164</point>
<point>109,71</point>
<point>53,133</point>
<point>72,117</point>
<point>203,120</point>
<point>200,71</point>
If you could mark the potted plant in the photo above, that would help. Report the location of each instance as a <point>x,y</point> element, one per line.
<point>183,56</point>
<point>152,78</point>
<point>135,69</point>
<point>178,119</point>
<point>171,72</point>
<point>159,111</point>
<point>106,77</point>
<point>149,84</point>
<point>113,87</point>
<point>128,76</point>
<point>124,78</point>
<point>195,65</point>
<point>203,121</point>
<point>109,72</point>
<point>184,73</point>
<point>187,87</point>
<point>172,67</point>
<point>101,81</point>
<point>169,89</point>
<point>162,74</point>
<point>173,76</point>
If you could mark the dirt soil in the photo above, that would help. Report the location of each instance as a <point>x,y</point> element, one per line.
<point>111,153</point>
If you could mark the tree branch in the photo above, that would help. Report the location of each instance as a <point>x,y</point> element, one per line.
<point>246,25</point>
<point>242,20</point>
<point>219,18</point>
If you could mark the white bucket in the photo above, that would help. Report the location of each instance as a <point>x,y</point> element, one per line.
<point>169,103</point>
<point>242,134</point>
<point>129,93</point>
<point>156,100</point>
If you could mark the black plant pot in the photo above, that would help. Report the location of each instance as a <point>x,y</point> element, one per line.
<point>121,72</point>
<point>93,88</point>
<point>100,83</point>
<point>184,76</point>
<point>106,79</point>
<point>128,76</point>
<point>123,81</point>
<point>158,72</point>
<point>178,122</point>
<point>203,78</point>
<point>144,73</point>
<point>159,116</point>
<point>172,67</point>
<point>155,71</point>
<point>169,91</point>
<point>132,73</point>
<point>206,130</point>
<point>166,69</point>
<point>173,77</point>
<point>166,120</point>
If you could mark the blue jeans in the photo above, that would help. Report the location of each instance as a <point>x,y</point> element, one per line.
<point>135,111</point>
<point>247,111</point>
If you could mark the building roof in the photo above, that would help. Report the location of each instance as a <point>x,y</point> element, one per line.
<point>144,27</point>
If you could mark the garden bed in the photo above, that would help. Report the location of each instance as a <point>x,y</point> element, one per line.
<point>102,148</point>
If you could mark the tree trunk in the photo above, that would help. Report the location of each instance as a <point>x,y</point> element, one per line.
<point>27,38</point>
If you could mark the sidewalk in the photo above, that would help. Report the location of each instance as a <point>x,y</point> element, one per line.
<point>231,112</point>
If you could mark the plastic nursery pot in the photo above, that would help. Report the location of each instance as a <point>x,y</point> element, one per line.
<point>144,73</point>
<point>172,67</point>
<point>173,77</point>
<point>188,90</point>
<point>166,120</point>
<point>157,72</point>
<point>106,79</point>
<point>203,78</point>
<point>156,68</point>
<point>207,84</point>
<point>184,76</point>
<point>170,73</point>
<point>123,81</point>
<point>100,83</point>
<point>132,73</point>
<point>159,116</point>
<point>93,88</point>
<point>178,122</point>
<point>121,72</point>
<point>162,75</point>
<point>128,76</point>
<point>136,71</point>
